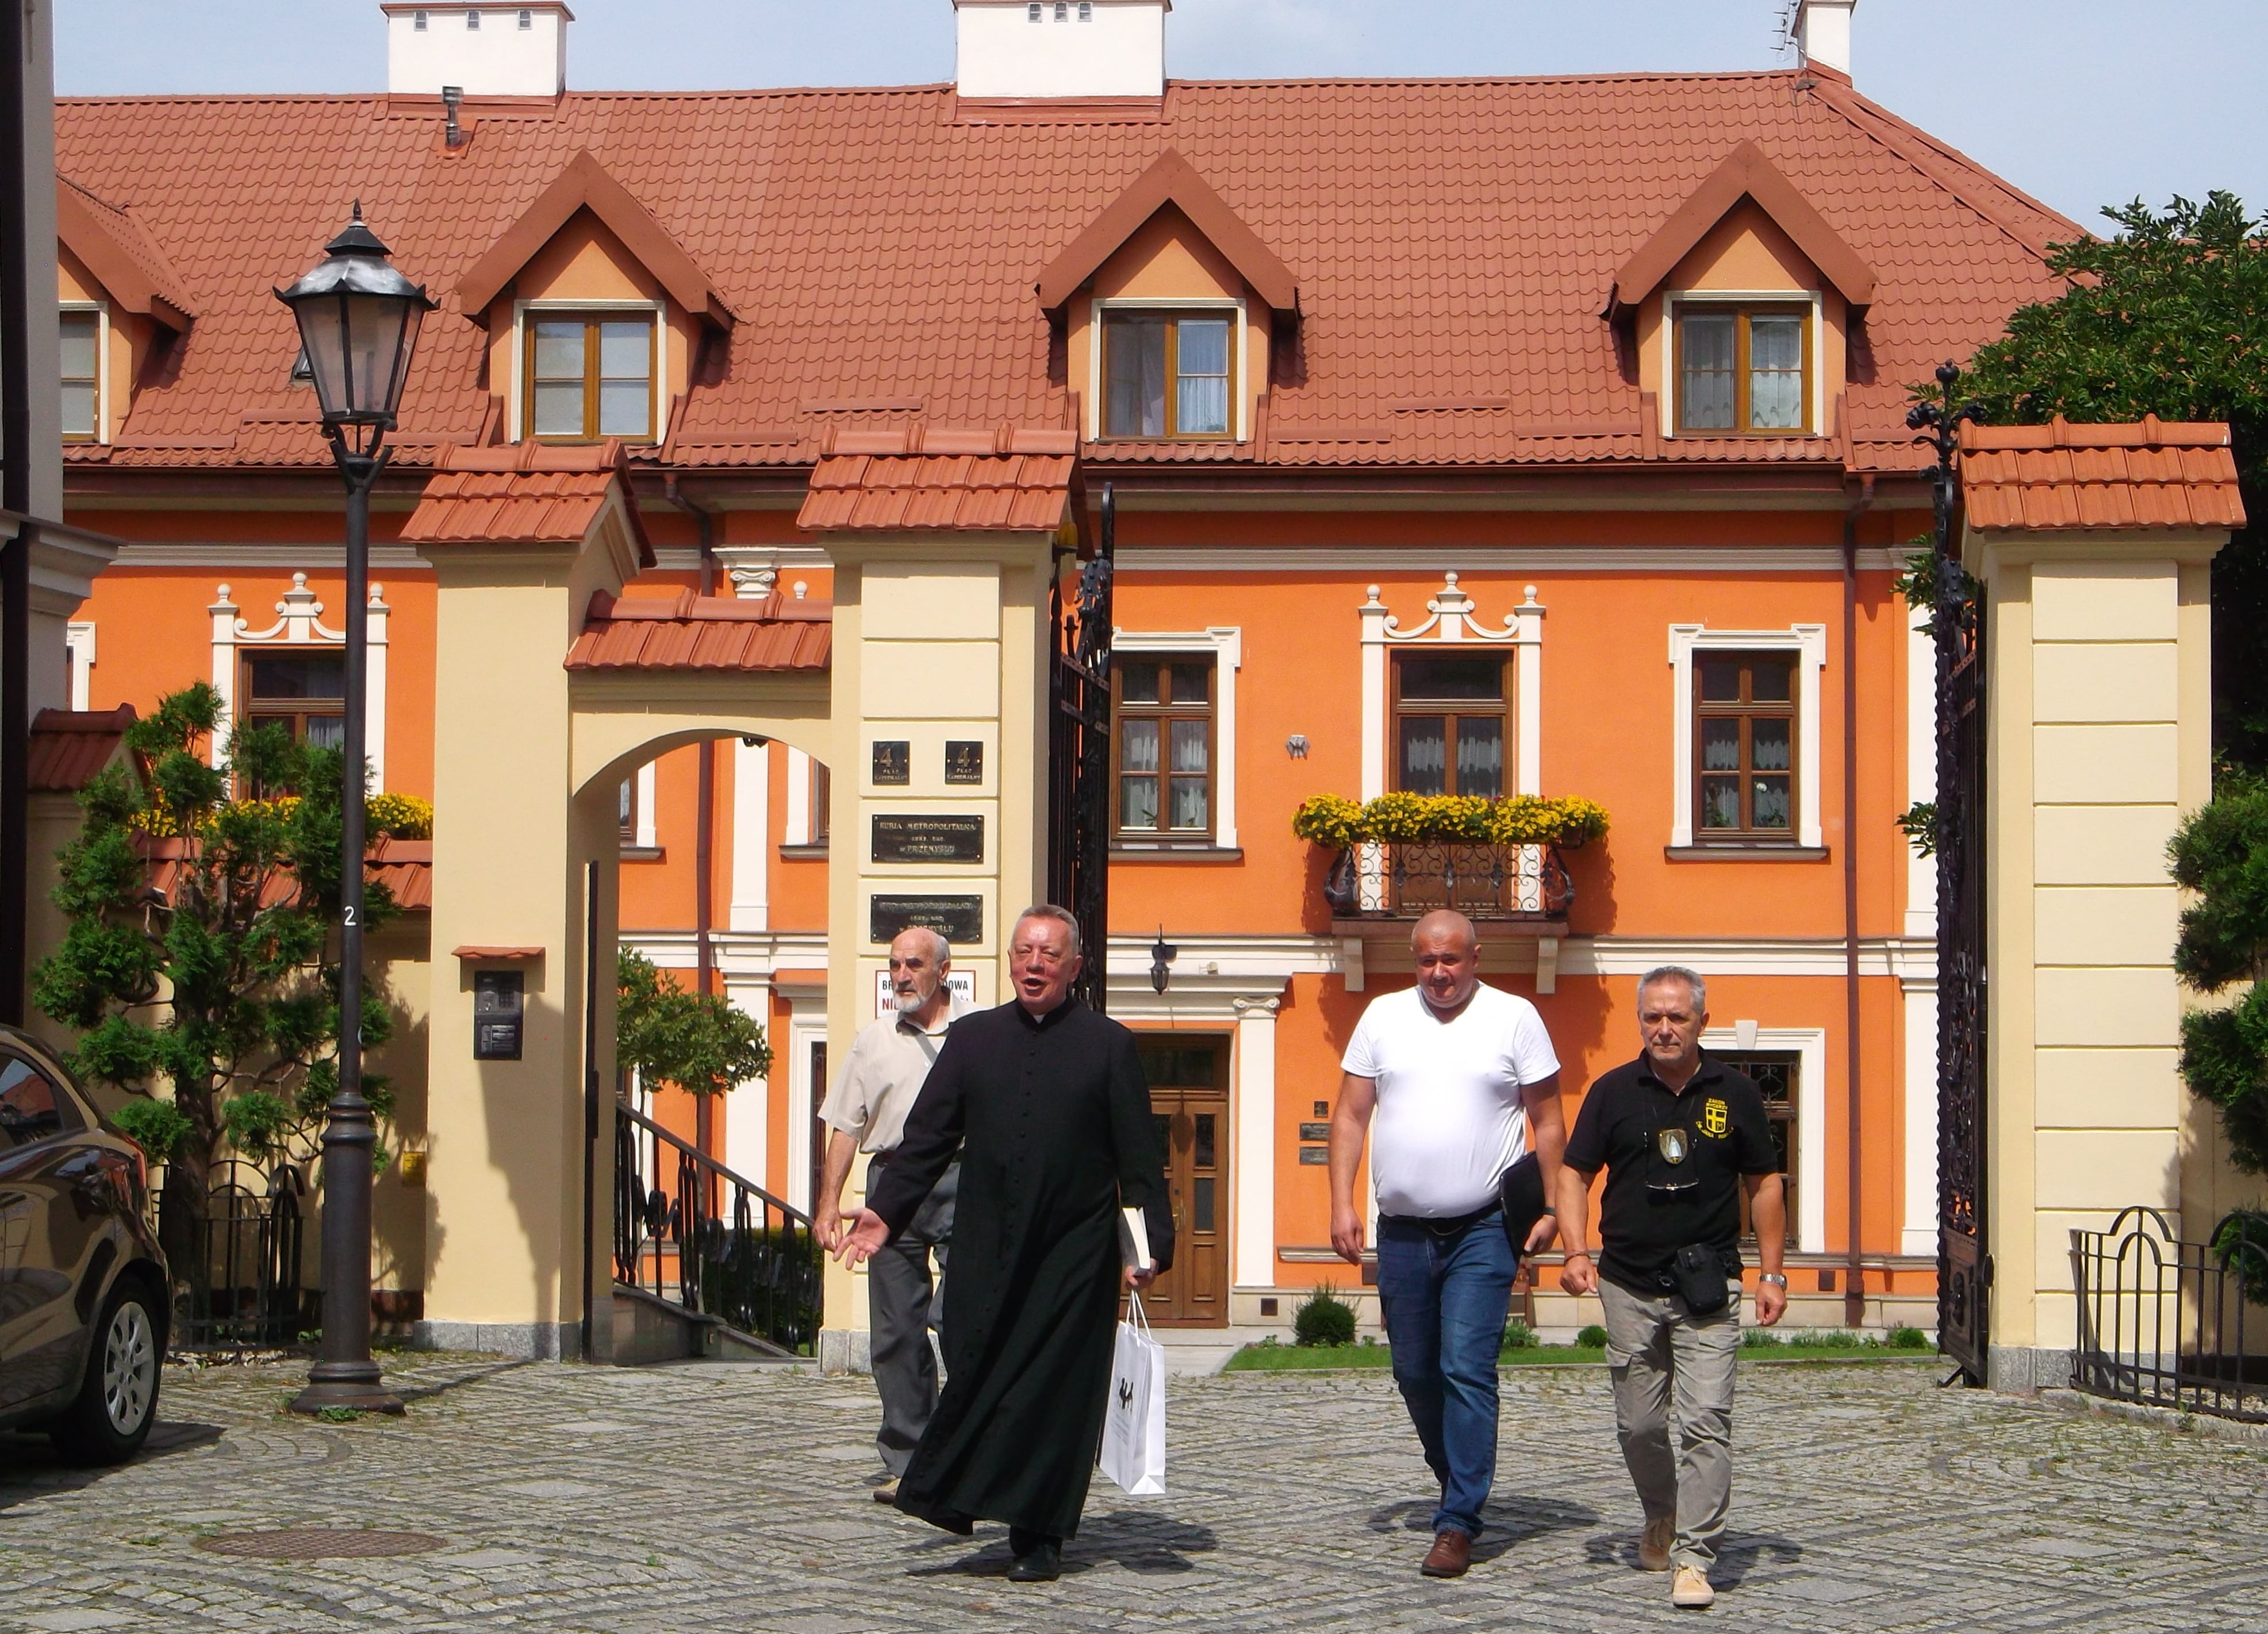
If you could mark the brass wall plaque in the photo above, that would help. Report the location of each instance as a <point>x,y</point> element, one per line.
<point>964,761</point>
<point>1315,1131</point>
<point>893,762</point>
<point>944,838</point>
<point>959,919</point>
<point>1314,1157</point>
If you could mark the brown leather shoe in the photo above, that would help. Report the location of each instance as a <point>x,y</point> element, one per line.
<point>1451,1554</point>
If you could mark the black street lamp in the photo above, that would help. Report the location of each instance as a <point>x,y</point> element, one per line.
<point>358,320</point>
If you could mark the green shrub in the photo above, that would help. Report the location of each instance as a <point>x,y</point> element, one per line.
<point>1593,1338</point>
<point>1908,1339</point>
<point>1517,1335</point>
<point>1324,1318</point>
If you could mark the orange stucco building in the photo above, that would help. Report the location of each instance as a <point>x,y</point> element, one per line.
<point>1493,437</point>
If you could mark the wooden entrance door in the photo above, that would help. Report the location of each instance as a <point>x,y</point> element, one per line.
<point>1189,1096</point>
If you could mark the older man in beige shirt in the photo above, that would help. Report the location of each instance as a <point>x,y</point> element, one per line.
<point>881,1077</point>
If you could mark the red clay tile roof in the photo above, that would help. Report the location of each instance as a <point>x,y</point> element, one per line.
<point>1005,481</point>
<point>132,270</point>
<point>1451,240</point>
<point>2061,476</point>
<point>530,492</point>
<point>69,746</point>
<point>678,630</point>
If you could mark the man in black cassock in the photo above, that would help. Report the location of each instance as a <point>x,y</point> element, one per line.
<point>1045,1102</point>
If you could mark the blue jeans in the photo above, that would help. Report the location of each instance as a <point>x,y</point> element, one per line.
<point>1445,1300</point>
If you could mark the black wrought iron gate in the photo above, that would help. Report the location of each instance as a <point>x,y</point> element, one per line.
<point>1964,1265</point>
<point>1079,754</point>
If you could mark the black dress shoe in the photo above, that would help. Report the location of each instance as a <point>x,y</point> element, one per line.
<point>1042,1565</point>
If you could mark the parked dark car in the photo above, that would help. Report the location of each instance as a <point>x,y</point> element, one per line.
<point>83,1282</point>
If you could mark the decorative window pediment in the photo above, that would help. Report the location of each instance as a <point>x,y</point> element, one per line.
<point>1746,173</point>
<point>1170,180</point>
<point>585,185</point>
<point>113,246</point>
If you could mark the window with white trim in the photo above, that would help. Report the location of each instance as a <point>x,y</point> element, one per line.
<point>1169,375</point>
<point>1746,738</point>
<point>1176,729</point>
<point>1744,369</point>
<point>589,375</point>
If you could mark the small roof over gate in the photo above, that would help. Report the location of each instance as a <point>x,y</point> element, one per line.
<point>2060,477</point>
<point>1006,480</point>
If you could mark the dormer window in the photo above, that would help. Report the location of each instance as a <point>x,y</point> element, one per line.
<point>1743,370</point>
<point>589,376</point>
<point>472,21</point>
<point>1168,374</point>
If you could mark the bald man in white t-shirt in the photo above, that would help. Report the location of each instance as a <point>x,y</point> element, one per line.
<point>1463,1084</point>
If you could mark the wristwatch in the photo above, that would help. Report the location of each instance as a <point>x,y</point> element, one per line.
<point>1776,1279</point>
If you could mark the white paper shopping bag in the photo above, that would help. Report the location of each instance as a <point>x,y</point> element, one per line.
<point>1134,1429</point>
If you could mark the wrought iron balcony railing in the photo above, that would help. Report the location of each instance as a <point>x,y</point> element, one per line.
<point>1404,881</point>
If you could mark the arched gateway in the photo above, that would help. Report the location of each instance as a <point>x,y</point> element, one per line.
<point>553,686</point>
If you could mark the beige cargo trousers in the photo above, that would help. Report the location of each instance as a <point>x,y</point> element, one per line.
<point>1673,1376</point>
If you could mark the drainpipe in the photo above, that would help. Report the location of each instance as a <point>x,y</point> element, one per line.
<point>1854,1291</point>
<point>704,819</point>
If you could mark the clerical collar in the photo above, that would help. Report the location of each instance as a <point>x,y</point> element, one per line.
<point>1042,1021</point>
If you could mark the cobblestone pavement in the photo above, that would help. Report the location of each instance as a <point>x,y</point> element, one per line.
<point>726,1497</point>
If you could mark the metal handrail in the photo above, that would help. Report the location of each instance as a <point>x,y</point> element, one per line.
<point>2167,1322</point>
<point>716,1243</point>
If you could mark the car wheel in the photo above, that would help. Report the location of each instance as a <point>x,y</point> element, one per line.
<point>118,1398</point>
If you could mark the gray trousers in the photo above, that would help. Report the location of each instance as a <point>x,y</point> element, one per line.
<point>902,1306</point>
<point>1673,1378</point>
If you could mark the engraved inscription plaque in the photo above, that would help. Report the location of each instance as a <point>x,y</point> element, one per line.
<point>959,919</point>
<point>964,761</point>
<point>893,762</point>
<point>945,838</point>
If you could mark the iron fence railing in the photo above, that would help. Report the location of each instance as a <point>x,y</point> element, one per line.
<point>2167,1322</point>
<point>236,1260</point>
<point>1404,881</point>
<point>690,1231</point>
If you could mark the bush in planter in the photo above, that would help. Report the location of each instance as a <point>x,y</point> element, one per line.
<point>1593,1337</point>
<point>1323,1319</point>
<point>1403,819</point>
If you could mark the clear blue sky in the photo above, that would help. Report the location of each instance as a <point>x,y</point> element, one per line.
<point>2081,102</point>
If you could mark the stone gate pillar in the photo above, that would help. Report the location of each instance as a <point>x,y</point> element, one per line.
<point>519,538</point>
<point>944,545</point>
<point>2093,545</point>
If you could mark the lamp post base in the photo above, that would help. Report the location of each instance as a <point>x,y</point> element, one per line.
<point>350,1386</point>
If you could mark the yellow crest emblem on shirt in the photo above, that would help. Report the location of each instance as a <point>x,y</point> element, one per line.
<point>1716,1118</point>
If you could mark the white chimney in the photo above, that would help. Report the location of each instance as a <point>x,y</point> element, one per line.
<point>1823,34</point>
<point>489,47</point>
<point>1018,48</point>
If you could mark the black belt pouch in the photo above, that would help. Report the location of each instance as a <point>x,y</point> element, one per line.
<point>1699,1271</point>
<point>1520,1190</point>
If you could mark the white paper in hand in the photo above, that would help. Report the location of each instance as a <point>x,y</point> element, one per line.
<point>1134,1426</point>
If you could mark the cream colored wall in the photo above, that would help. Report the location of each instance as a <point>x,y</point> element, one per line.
<point>1747,251</point>
<point>401,1211</point>
<point>935,638</point>
<point>1167,259</point>
<point>2100,743</point>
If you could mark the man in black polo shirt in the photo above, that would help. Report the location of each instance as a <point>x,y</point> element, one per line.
<point>1681,1138</point>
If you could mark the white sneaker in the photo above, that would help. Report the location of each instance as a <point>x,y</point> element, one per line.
<point>1653,1544</point>
<point>888,1493</point>
<point>1691,1591</point>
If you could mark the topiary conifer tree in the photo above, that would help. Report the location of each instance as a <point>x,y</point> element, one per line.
<point>199,958</point>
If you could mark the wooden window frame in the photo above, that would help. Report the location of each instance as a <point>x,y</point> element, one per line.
<point>1165,713</point>
<point>1112,315</point>
<point>1747,710</point>
<point>590,317</point>
<point>819,789</point>
<point>100,314</point>
<point>1742,312</point>
<point>1398,706</point>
